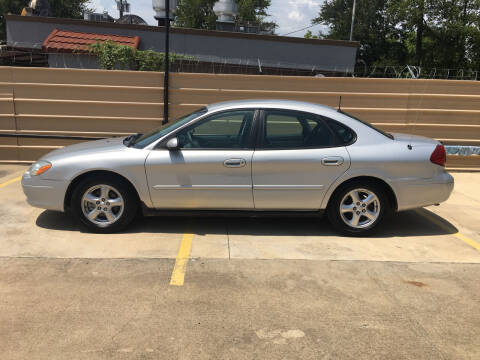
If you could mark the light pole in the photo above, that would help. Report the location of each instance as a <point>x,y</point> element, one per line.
<point>162,14</point>
<point>166,74</point>
<point>353,19</point>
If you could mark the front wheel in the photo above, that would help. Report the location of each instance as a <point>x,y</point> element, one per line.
<point>104,204</point>
<point>357,208</point>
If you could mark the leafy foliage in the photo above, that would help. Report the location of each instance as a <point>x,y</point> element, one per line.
<point>252,10</point>
<point>373,27</point>
<point>10,6</point>
<point>121,57</point>
<point>72,9</point>
<point>309,35</point>
<point>59,8</point>
<point>429,33</point>
<point>198,14</point>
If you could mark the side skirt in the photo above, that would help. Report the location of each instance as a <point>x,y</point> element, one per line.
<point>229,213</point>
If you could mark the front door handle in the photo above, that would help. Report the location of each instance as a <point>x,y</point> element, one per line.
<point>332,161</point>
<point>234,163</point>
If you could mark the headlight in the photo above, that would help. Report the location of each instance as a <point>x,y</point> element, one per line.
<point>39,168</point>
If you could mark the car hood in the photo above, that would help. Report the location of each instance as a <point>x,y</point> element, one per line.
<point>89,147</point>
<point>414,139</point>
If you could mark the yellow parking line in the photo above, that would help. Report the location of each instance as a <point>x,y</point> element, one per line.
<point>447,228</point>
<point>467,240</point>
<point>11,181</point>
<point>178,274</point>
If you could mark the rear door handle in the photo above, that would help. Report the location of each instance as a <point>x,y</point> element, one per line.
<point>332,161</point>
<point>234,163</point>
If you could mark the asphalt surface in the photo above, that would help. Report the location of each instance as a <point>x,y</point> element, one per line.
<point>246,288</point>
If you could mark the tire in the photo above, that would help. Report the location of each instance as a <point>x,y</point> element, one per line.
<point>110,201</point>
<point>360,217</point>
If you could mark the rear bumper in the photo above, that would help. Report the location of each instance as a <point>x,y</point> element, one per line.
<point>44,194</point>
<point>424,192</point>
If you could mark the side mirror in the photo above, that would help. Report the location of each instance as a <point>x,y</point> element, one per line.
<point>172,144</point>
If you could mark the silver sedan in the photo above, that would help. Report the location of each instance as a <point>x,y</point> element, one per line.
<point>257,156</point>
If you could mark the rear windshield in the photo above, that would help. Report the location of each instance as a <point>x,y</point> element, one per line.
<point>390,136</point>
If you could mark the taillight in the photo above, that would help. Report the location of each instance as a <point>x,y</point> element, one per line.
<point>439,156</point>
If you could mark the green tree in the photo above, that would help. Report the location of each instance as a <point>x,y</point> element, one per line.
<point>196,14</point>
<point>429,33</point>
<point>72,9</point>
<point>410,16</point>
<point>199,14</point>
<point>454,32</point>
<point>375,28</point>
<point>6,7</point>
<point>309,35</point>
<point>59,8</point>
<point>255,12</point>
<point>439,33</point>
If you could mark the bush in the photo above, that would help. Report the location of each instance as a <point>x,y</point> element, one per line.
<point>113,56</point>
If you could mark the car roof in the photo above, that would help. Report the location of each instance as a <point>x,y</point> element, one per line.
<point>273,103</point>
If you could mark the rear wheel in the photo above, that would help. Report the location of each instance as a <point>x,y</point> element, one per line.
<point>104,204</point>
<point>357,208</point>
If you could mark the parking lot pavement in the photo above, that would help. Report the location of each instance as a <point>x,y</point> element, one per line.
<point>269,288</point>
<point>463,208</point>
<point>424,235</point>
<point>238,309</point>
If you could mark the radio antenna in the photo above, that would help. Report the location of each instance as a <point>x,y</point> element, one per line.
<point>340,103</point>
<point>427,81</point>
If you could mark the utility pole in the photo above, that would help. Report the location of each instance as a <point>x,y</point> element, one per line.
<point>120,7</point>
<point>353,19</point>
<point>167,62</point>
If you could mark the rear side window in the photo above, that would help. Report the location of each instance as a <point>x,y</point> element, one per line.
<point>344,134</point>
<point>287,129</point>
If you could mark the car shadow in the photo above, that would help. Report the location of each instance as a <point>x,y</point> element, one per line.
<point>420,222</point>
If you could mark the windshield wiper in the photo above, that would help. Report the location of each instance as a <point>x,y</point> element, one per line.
<point>128,141</point>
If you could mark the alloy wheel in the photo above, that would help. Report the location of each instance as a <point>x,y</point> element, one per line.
<point>102,205</point>
<point>359,208</point>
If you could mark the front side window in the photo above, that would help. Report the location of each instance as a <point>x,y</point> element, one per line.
<point>295,130</point>
<point>156,134</point>
<point>227,130</point>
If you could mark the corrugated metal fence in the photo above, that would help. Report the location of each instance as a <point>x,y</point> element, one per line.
<point>98,103</point>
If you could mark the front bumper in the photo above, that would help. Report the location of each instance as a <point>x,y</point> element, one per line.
<point>44,193</point>
<point>425,192</point>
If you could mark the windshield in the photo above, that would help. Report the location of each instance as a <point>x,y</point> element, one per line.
<point>390,136</point>
<point>163,130</point>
